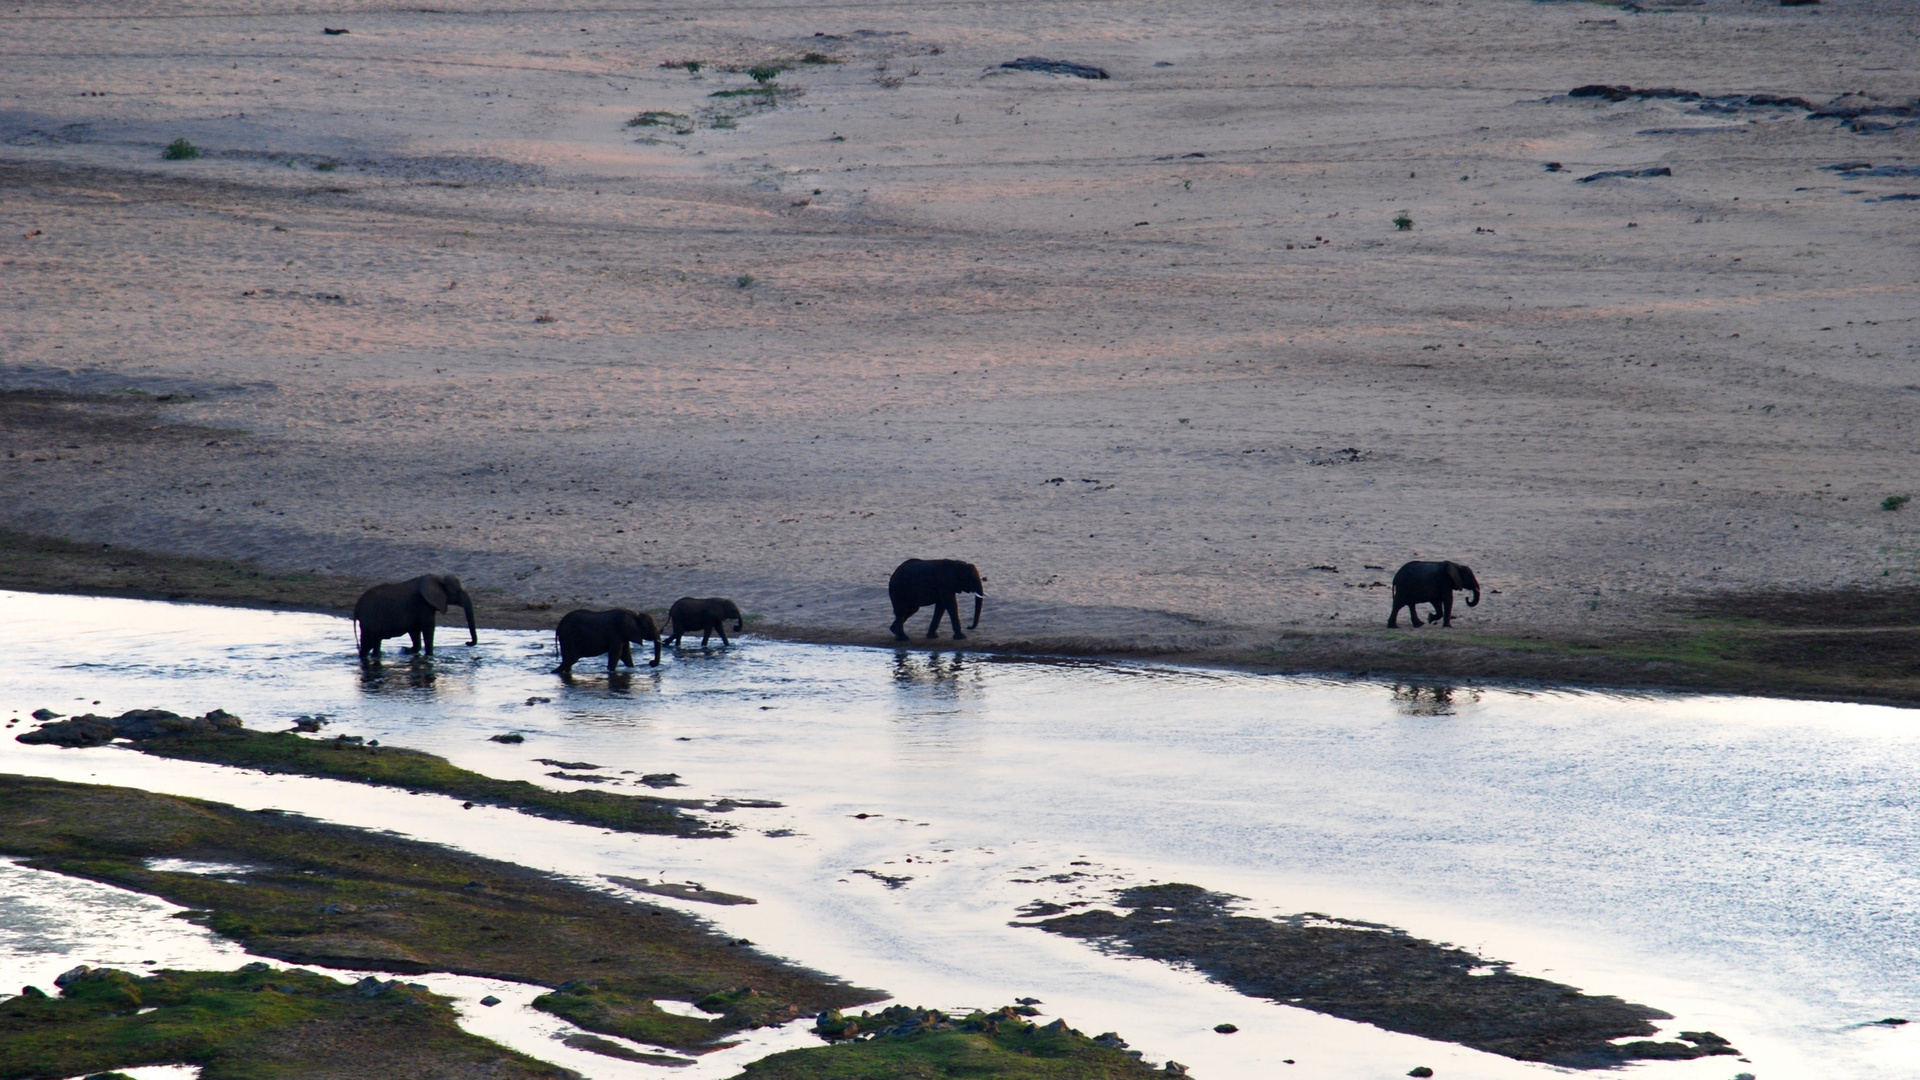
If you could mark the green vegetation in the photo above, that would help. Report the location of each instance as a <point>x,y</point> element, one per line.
<point>820,58</point>
<point>252,1023</point>
<point>766,92</point>
<point>902,1043</point>
<point>693,66</point>
<point>1895,502</point>
<point>44,564</point>
<point>180,150</point>
<point>414,770</point>
<point>339,897</point>
<point>1403,221</point>
<point>744,280</point>
<point>680,123</point>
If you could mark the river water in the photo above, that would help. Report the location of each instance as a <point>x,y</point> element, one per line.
<point>1750,865</point>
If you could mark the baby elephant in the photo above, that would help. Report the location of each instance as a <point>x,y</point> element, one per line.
<point>1431,583</point>
<point>590,633</point>
<point>709,616</point>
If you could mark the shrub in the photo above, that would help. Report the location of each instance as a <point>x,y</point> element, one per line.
<point>744,280</point>
<point>764,73</point>
<point>1403,222</point>
<point>1895,502</point>
<point>180,150</point>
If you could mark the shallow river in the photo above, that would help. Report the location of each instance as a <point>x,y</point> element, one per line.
<point>1751,866</point>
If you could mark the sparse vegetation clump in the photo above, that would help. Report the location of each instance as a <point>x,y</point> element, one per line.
<point>693,66</point>
<point>907,1043</point>
<point>764,73</point>
<point>1403,221</point>
<point>744,280</point>
<point>251,1022</point>
<point>1895,502</point>
<point>180,150</point>
<point>679,122</point>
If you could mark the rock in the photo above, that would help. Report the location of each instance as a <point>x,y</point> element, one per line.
<point>1174,1068</point>
<point>512,737</point>
<point>372,987</point>
<point>257,965</point>
<point>1058,1027</point>
<point>1625,173</point>
<point>1225,1029</point>
<point>308,723</point>
<point>662,779</point>
<point>81,731</point>
<point>1028,1001</point>
<point>1056,67</point>
<point>72,975</point>
<point>489,1001</point>
<point>32,992</point>
<point>1891,1021</point>
<point>1419,1070</point>
<point>1554,166</point>
<point>1111,1040</point>
<point>1703,1038</point>
<point>49,714</point>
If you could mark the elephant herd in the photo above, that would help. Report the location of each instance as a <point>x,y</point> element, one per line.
<point>410,608</point>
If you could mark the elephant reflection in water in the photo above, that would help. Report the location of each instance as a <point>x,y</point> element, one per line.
<point>1420,699</point>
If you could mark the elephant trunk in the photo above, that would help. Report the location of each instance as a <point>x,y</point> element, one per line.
<point>1474,600</point>
<point>473,631</point>
<point>978,599</point>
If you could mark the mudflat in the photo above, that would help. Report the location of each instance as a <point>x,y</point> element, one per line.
<point>612,305</point>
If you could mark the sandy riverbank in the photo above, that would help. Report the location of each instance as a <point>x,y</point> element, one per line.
<point>1148,349</point>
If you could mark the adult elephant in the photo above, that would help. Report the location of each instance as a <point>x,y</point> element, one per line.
<point>917,583</point>
<point>408,607</point>
<point>709,616</point>
<point>1431,583</point>
<point>590,633</point>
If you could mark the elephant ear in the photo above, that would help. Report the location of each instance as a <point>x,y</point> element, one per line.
<point>433,593</point>
<point>1453,574</point>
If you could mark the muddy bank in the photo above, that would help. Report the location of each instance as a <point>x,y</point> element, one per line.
<point>220,738</point>
<point>341,897</point>
<point>1378,975</point>
<point>1855,644</point>
<point>256,1021</point>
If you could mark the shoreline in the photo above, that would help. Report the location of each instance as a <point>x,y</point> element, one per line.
<point>1809,645</point>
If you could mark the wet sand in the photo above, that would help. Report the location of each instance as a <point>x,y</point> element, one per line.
<point>1148,349</point>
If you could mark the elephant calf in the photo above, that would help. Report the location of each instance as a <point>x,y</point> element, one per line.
<point>1431,583</point>
<point>590,633</point>
<point>917,583</point>
<point>408,607</point>
<point>709,616</point>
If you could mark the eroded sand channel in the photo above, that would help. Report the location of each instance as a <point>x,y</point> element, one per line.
<point>1741,863</point>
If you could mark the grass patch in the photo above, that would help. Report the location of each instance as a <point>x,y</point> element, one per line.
<point>339,897</point>
<point>414,770</point>
<point>45,564</point>
<point>180,150</point>
<point>254,1022</point>
<point>692,66</point>
<point>1895,502</point>
<point>1376,975</point>
<point>766,92</point>
<point>903,1043</point>
<point>744,281</point>
<point>680,123</point>
<point>1403,221</point>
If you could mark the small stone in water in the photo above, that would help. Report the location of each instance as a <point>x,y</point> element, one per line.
<point>1420,1070</point>
<point>489,1001</point>
<point>1225,1029</point>
<point>511,737</point>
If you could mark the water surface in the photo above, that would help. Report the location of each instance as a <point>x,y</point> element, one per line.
<point>1746,864</point>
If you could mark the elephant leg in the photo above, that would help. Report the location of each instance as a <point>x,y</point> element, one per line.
<point>426,635</point>
<point>933,628</point>
<point>565,670</point>
<point>705,636</point>
<point>1413,615</point>
<point>901,613</point>
<point>413,641</point>
<point>722,628</point>
<point>1446,611</point>
<point>953,616</point>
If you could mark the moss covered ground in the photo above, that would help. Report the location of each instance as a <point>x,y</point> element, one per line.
<point>251,1024</point>
<point>415,770</point>
<point>917,1044</point>
<point>339,897</point>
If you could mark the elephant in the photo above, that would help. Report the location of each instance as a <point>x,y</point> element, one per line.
<point>917,583</point>
<point>707,616</point>
<point>590,633</point>
<point>408,607</point>
<point>1431,583</point>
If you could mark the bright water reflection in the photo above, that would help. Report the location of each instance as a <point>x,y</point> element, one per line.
<point>1747,864</point>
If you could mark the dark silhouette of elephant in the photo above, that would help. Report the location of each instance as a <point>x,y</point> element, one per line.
<point>709,616</point>
<point>408,607</point>
<point>590,633</point>
<point>1431,583</point>
<point>917,583</point>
